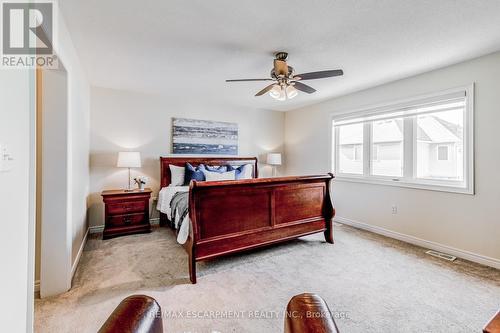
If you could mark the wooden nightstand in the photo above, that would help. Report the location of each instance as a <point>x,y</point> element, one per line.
<point>126,212</point>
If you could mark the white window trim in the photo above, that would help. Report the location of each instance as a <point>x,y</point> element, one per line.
<point>422,184</point>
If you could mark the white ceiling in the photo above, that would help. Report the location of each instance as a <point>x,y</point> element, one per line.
<point>187,48</point>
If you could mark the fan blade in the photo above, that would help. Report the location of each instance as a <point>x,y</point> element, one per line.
<point>318,75</point>
<point>304,87</point>
<point>266,89</point>
<point>244,80</point>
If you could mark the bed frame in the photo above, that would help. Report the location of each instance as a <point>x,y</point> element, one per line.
<point>233,216</point>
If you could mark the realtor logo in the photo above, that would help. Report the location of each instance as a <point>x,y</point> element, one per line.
<point>27,34</point>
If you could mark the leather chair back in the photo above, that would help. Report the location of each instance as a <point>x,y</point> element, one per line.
<point>309,313</point>
<point>135,314</point>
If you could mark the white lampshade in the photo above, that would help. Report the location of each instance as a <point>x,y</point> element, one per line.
<point>274,158</point>
<point>129,159</point>
<point>275,92</point>
<point>291,92</point>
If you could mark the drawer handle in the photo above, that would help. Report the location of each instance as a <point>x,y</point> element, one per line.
<point>127,220</point>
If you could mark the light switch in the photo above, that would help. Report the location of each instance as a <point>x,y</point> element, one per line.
<point>6,159</point>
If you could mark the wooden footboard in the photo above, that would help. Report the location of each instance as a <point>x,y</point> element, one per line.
<point>233,216</point>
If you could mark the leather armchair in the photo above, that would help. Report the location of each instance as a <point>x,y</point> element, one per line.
<point>494,324</point>
<point>309,313</point>
<point>306,313</point>
<point>135,314</point>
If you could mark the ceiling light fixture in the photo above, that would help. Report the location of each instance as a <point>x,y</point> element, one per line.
<point>282,92</point>
<point>291,92</point>
<point>286,83</point>
<point>275,92</point>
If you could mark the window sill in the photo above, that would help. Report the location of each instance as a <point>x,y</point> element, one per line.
<point>401,183</point>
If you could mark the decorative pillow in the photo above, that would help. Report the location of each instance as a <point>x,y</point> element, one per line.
<point>192,173</point>
<point>176,175</point>
<point>243,171</point>
<point>215,176</point>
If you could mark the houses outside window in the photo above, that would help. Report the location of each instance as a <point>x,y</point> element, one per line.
<point>350,157</point>
<point>443,153</point>
<point>439,145</point>
<point>425,142</point>
<point>387,147</point>
<point>358,152</point>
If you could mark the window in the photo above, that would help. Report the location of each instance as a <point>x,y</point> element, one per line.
<point>442,153</point>
<point>358,152</point>
<point>423,143</point>
<point>350,139</point>
<point>387,147</point>
<point>375,153</point>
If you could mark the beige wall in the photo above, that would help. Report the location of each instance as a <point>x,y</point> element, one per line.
<point>123,120</point>
<point>38,178</point>
<point>78,91</point>
<point>17,200</point>
<point>63,238</point>
<point>465,222</point>
<point>55,264</point>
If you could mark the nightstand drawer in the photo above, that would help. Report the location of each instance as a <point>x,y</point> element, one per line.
<point>126,207</point>
<point>124,220</point>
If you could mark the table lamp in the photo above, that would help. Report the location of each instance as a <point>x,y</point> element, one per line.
<point>129,159</point>
<point>274,159</point>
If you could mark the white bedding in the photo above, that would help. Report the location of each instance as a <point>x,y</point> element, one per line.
<point>164,197</point>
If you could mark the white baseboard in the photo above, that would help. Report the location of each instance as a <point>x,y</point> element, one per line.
<point>474,257</point>
<point>75,263</point>
<point>96,229</point>
<point>100,228</point>
<point>79,255</point>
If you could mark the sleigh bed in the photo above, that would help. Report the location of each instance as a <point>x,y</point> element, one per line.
<point>237,215</point>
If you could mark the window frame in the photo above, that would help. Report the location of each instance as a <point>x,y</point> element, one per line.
<point>409,178</point>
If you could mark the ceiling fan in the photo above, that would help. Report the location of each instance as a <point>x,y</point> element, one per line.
<point>286,83</point>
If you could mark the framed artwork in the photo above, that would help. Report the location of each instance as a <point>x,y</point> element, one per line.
<point>193,136</point>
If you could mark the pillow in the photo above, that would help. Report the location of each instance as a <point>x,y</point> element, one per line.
<point>176,175</point>
<point>213,168</point>
<point>215,176</point>
<point>192,173</point>
<point>243,171</point>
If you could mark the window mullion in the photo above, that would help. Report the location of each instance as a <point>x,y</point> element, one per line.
<point>337,149</point>
<point>367,141</point>
<point>409,147</point>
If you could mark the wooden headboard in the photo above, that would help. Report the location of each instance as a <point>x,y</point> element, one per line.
<point>195,161</point>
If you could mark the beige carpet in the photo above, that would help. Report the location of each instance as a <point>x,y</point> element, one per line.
<point>372,283</point>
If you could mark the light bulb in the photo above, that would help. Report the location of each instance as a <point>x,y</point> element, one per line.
<point>282,96</point>
<point>291,92</point>
<point>275,92</point>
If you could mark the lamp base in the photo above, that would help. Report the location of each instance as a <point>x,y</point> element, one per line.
<point>129,189</point>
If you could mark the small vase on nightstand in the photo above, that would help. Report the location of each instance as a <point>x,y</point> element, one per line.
<point>141,182</point>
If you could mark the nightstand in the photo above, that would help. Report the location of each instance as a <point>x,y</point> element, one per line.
<point>126,212</point>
